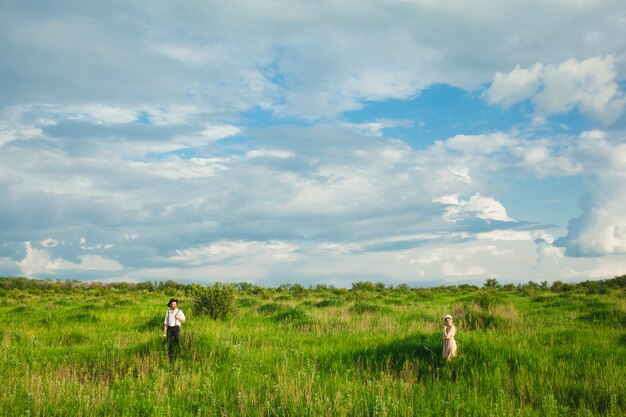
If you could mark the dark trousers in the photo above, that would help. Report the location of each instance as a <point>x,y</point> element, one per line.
<point>173,341</point>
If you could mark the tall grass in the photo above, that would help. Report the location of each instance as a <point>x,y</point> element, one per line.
<point>103,354</point>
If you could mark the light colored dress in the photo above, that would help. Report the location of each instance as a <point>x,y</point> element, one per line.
<point>449,344</point>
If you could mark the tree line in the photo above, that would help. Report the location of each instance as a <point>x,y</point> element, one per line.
<point>299,291</point>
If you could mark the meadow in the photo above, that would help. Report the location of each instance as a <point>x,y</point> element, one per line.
<point>531,350</point>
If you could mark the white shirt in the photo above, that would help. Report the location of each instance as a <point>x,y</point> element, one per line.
<point>170,317</point>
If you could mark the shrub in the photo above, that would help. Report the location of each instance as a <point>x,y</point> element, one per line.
<point>247,302</point>
<point>298,291</point>
<point>422,294</point>
<point>559,286</point>
<point>487,299</point>
<point>294,315</point>
<point>472,318</point>
<point>330,302</point>
<point>368,286</point>
<point>271,308</point>
<point>217,301</point>
<point>262,293</point>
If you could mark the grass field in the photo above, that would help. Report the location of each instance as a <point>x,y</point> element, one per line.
<point>99,352</point>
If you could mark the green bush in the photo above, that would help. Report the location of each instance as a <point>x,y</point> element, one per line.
<point>472,318</point>
<point>297,317</point>
<point>330,302</point>
<point>296,314</point>
<point>487,299</point>
<point>271,308</point>
<point>247,302</point>
<point>217,301</point>
<point>298,291</point>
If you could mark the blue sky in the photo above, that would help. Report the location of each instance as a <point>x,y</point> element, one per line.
<point>399,141</point>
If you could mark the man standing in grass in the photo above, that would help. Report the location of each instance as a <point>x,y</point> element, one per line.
<point>171,327</point>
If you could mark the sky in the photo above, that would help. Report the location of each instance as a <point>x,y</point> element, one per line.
<point>413,142</point>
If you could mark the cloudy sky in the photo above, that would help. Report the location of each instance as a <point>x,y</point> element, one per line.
<point>403,141</point>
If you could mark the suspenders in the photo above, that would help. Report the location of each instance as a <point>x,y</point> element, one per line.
<point>168,318</point>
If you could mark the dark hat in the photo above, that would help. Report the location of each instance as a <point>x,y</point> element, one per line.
<point>172,300</point>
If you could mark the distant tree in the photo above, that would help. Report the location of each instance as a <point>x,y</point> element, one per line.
<point>147,285</point>
<point>533,285</point>
<point>364,286</point>
<point>245,287</point>
<point>557,286</point>
<point>170,287</point>
<point>298,291</point>
<point>468,287</point>
<point>492,283</point>
<point>321,288</point>
<point>262,292</point>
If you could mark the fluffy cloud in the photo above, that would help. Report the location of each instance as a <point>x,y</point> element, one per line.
<point>131,147</point>
<point>600,228</point>
<point>313,60</point>
<point>589,85</point>
<point>519,84</point>
<point>39,261</point>
<point>219,251</point>
<point>312,194</point>
<point>477,206</point>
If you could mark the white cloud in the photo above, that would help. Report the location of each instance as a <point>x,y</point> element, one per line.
<point>339,248</point>
<point>265,153</point>
<point>449,270</point>
<point>589,85</point>
<point>377,127</point>
<point>123,143</point>
<point>335,196</point>
<point>519,84</point>
<point>108,114</point>
<point>38,261</point>
<point>173,115</point>
<point>599,229</point>
<point>50,243</point>
<point>477,206</point>
<point>479,144</point>
<point>219,251</point>
<point>97,246</point>
<point>190,55</point>
<point>463,174</point>
<point>500,234</point>
<point>218,132</point>
<point>176,168</point>
<point>308,59</point>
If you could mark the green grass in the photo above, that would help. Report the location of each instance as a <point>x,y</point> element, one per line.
<point>101,353</point>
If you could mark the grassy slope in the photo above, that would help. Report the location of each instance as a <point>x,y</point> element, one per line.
<point>93,353</point>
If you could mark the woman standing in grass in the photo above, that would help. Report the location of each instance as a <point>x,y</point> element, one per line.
<point>449,344</point>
